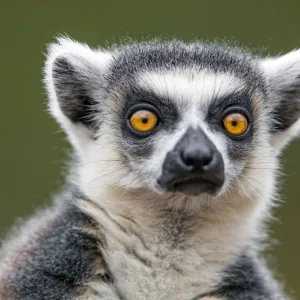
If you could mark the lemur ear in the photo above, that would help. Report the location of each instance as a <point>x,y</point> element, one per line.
<point>73,78</point>
<point>283,79</point>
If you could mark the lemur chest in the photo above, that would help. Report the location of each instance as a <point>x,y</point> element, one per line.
<point>173,258</point>
<point>140,274</point>
<point>161,271</point>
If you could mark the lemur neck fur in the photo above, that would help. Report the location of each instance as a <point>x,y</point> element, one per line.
<point>232,220</point>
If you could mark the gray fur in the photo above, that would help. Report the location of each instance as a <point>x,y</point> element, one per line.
<point>157,55</point>
<point>247,279</point>
<point>58,259</point>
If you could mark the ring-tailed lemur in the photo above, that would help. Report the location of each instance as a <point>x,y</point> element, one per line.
<point>176,155</point>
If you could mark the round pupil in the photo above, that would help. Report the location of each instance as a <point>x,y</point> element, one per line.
<point>144,120</point>
<point>234,123</point>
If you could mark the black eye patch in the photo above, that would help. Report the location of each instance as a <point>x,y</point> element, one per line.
<point>142,144</point>
<point>237,102</point>
<point>219,104</point>
<point>165,107</point>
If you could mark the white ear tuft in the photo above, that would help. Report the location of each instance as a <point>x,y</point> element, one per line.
<point>283,79</point>
<point>288,64</point>
<point>72,73</point>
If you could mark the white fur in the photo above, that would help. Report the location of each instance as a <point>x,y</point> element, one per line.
<point>199,266</point>
<point>189,86</point>
<point>281,72</point>
<point>288,64</point>
<point>76,53</point>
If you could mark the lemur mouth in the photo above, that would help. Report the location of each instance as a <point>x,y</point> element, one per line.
<point>194,186</point>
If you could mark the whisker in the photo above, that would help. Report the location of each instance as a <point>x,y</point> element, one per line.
<point>118,180</point>
<point>108,173</point>
<point>99,161</point>
<point>254,168</point>
<point>171,197</point>
<point>247,182</point>
<point>261,162</point>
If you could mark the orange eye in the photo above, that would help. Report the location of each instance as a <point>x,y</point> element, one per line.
<point>235,123</point>
<point>143,120</point>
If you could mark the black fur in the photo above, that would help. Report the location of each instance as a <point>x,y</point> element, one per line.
<point>168,118</point>
<point>287,112</point>
<point>284,95</point>
<point>238,146</point>
<point>61,258</point>
<point>74,92</point>
<point>244,280</point>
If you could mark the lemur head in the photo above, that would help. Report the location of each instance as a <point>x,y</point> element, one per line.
<point>170,118</point>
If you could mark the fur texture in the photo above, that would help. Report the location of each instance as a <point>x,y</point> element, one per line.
<point>117,233</point>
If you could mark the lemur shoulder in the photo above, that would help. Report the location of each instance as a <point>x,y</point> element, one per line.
<point>176,150</point>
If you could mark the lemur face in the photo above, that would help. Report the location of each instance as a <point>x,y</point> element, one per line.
<point>172,118</point>
<point>190,130</point>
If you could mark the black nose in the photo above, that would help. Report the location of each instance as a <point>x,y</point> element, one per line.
<point>196,157</point>
<point>194,165</point>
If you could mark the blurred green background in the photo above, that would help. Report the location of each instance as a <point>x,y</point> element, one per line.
<point>33,150</point>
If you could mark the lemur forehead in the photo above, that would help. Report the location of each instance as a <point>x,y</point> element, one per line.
<point>158,56</point>
<point>191,86</point>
